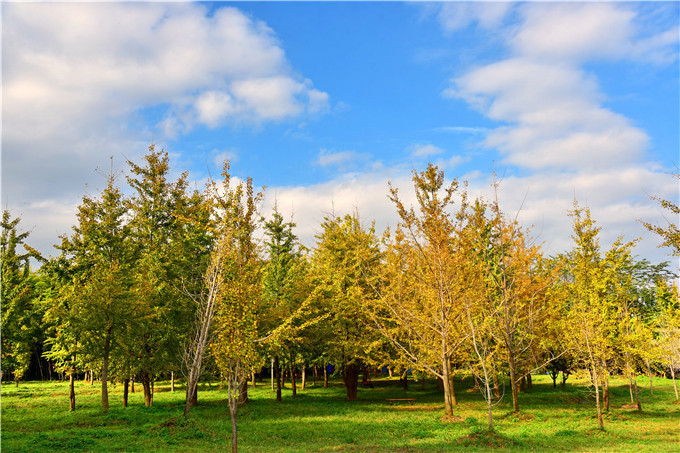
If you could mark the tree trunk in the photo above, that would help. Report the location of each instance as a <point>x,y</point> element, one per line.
<point>271,374</point>
<point>303,384</point>
<point>194,398</point>
<point>292,378</point>
<point>675,385</point>
<point>605,391</point>
<point>446,382</point>
<point>350,376</point>
<point>530,384</point>
<point>496,386</point>
<point>513,383</point>
<point>403,379</point>
<point>91,377</point>
<point>243,393</point>
<point>172,381</point>
<point>651,381</point>
<point>314,375</point>
<point>277,371</point>
<point>105,373</point>
<point>422,381</point>
<point>596,383</point>
<point>389,371</point>
<point>234,433</point>
<point>252,378</point>
<point>132,384</point>
<point>523,384</point>
<point>637,398</point>
<point>630,387</point>
<point>126,386</point>
<point>325,376</point>
<point>146,386</point>
<point>71,392</point>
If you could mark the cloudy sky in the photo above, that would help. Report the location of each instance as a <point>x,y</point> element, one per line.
<point>325,102</point>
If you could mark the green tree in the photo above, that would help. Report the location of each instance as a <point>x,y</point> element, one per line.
<point>100,305</point>
<point>164,249</point>
<point>344,267</point>
<point>19,321</point>
<point>593,296</point>
<point>234,347</point>
<point>282,276</point>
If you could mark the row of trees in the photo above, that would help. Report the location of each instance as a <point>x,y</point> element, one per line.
<point>170,279</point>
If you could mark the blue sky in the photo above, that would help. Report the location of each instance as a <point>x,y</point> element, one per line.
<point>326,102</point>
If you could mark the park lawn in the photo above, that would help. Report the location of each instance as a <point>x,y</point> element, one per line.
<point>35,418</point>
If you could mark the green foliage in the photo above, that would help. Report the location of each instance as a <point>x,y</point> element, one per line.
<point>21,317</point>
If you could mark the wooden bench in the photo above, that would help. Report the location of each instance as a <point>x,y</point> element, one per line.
<point>394,400</point>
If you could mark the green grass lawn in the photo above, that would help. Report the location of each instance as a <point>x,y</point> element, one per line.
<point>35,418</point>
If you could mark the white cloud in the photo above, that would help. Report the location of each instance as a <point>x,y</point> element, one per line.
<point>219,156</point>
<point>617,200</point>
<point>456,15</point>
<point>78,80</point>
<point>551,109</point>
<point>425,150</point>
<point>342,160</point>
<point>582,31</point>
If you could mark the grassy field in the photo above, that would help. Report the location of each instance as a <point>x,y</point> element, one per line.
<point>35,418</point>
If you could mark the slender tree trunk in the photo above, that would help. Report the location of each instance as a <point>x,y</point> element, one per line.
<point>422,381</point>
<point>596,383</point>
<point>651,381</point>
<point>234,433</point>
<point>530,384</point>
<point>325,376</point>
<point>105,373</point>
<point>389,371</point>
<point>252,378</point>
<point>605,390</point>
<point>513,382</point>
<point>314,375</point>
<point>523,384</point>
<point>271,374</point>
<point>232,385</point>
<point>277,372</point>
<point>292,378</point>
<point>675,385</point>
<point>304,376</point>
<point>172,381</point>
<point>637,397</point>
<point>71,391</point>
<point>126,385</point>
<point>132,384</point>
<point>91,377</point>
<point>630,387</point>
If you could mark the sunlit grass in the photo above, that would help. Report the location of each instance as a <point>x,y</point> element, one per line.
<point>35,418</point>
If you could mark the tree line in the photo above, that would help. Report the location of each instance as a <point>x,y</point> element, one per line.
<point>172,281</point>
